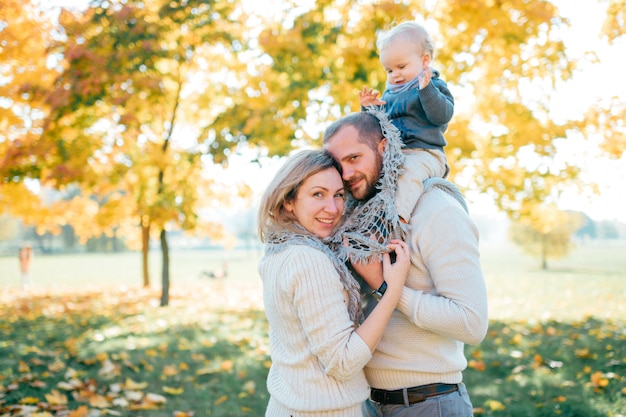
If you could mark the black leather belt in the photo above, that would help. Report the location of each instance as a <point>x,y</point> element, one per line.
<point>413,395</point>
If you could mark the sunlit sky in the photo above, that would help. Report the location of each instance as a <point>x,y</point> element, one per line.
<point>591,83</point>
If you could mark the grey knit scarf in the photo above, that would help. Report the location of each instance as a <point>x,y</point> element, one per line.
<point>370,224</point>
<point>278,239</point>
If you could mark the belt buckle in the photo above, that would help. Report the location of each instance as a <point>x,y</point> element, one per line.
<point>415,397</point>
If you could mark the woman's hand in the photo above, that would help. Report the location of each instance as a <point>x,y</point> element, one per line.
<point>396,274</point>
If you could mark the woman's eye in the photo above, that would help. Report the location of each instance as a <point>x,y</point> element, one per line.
<point>317,194</point>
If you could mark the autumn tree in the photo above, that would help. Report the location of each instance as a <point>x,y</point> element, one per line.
<point>25,79</point>
<point>130,110</point>
<point>503,61</point>
<point>547,233</point>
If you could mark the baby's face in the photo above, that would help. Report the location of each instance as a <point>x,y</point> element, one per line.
<point>402,60</point>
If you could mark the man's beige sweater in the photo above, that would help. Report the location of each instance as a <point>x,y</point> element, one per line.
<point>443,304</point>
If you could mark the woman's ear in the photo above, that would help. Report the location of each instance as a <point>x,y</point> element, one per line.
<point>288,206</point>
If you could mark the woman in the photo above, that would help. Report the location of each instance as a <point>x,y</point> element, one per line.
<point>312,302</point>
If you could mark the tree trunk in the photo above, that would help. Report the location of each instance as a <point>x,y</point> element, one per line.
<point>544,254</point>
<point>165,274</point>
<point>145,247</point>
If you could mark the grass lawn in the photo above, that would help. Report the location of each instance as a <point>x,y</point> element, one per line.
<point>87,341</point>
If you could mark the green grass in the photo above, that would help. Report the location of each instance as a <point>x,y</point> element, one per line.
<point>87,334</point>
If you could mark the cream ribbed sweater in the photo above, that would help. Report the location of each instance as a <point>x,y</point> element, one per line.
<point>443,304</point>
<point>317,357</point>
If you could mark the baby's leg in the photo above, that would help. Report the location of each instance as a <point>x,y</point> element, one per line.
<point>419,164</point>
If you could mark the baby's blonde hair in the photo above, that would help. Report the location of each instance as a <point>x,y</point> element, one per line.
<point>411,31</point>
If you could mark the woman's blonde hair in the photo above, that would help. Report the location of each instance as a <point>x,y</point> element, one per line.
<point>284,188</point>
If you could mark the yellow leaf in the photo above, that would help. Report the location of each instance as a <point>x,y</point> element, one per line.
<point>183,366</point>
<point>173,391</point>
<point>477,365</point>
<point>227,365</point>
<point>134,386</point>
<point>582,353</point>
<point>99,401</point>
<point>495,405</point>
<point>144,405</point>
<point>516,340</point>
<point>183,414</point>
<point>249,387</point>
<point>41,414</point>
<point>560,399</point>
<point>56,398</point>
<point>170,370</point>
<point>29,400</point>
<point>23,367</point>
<point>81,411</point>
<point>221,400</point>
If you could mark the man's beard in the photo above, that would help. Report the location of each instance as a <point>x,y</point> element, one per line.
<point>371,189</point>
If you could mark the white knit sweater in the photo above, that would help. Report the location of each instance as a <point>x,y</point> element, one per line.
<point>317,357</point>
<point>443,304</point>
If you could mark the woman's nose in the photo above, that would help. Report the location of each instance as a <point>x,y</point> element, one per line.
<point>331,206</point>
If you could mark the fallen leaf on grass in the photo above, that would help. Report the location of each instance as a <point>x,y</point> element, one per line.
<point>29,400</point>
<point>155,398</point>
<point>173,391</point>
<point>134,386</point>
<point>495,405</point>
<point>56,398</point>
<point>170,370</point>
<point>81,411</point>
<point>99,401</point>
<point>249,387</point>
<point>221,400</point>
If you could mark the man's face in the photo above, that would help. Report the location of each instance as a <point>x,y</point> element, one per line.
<point>360,164</point>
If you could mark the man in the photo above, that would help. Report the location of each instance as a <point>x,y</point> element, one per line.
<point>417,367</point>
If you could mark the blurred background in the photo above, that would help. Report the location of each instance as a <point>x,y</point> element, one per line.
<point>149,129</point>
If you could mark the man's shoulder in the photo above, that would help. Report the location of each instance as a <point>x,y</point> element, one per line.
<point>440,191</point>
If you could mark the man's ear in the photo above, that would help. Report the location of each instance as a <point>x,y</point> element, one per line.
<point>381,146</point>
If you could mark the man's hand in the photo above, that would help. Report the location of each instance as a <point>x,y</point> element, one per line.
<point>369,97</point>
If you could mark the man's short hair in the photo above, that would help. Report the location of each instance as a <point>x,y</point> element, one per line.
<point>366,124</point>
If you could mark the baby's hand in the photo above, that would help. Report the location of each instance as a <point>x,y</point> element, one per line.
<point>424,77</point>
<point>369,97</point>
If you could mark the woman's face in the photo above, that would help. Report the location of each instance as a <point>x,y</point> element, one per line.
<point>318,206</point>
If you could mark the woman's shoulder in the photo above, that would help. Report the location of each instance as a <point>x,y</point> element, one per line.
<point>300,254</point>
